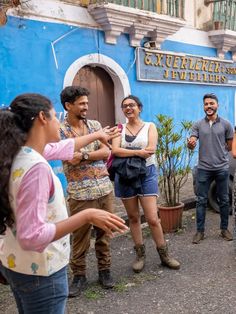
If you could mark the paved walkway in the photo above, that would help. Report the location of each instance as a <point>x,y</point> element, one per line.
<point>204,284</point>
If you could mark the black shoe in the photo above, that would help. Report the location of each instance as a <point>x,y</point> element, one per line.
<point>78,284</point>
<point>105,279</point>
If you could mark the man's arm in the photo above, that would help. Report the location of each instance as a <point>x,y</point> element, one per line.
<point>229,144</point>
<point>234,146</point>
<point>192,141</point>
<point>229,136</point>
<point>100,154</point>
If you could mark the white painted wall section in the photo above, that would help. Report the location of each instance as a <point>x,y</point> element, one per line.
<point>55,11</point>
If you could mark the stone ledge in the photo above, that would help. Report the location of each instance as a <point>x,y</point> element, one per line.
<point>116,19</point>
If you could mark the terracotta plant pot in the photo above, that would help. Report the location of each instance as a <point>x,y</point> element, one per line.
<point>171,217</point>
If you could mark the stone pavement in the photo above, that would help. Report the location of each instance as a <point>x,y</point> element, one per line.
<point>204,284</point>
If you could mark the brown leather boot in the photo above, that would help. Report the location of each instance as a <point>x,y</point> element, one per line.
<point>199,236</point>
<point>226,235</point>
<point>166,260</point>
<point>139,263</point>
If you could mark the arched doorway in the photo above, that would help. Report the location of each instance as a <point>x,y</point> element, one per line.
<point>119,77</point>
<point>101,98</point>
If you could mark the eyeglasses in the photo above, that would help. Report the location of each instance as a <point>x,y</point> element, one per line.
<point>125,106</point>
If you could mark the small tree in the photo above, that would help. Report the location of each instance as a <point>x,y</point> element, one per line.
<point>173,157</point>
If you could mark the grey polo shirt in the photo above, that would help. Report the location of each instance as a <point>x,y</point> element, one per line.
<point>213,153</point>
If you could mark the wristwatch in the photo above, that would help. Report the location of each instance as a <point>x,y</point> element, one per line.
<point>85,156</point>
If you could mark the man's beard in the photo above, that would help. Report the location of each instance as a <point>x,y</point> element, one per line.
<point>213,112</point>
<point>80,117</point>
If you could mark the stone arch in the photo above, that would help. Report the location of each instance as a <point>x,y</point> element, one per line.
<point>119,77</point>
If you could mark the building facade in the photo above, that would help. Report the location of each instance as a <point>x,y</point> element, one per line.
<point>167,52</point>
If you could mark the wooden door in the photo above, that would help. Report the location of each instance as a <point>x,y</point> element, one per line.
<point>101,98</point>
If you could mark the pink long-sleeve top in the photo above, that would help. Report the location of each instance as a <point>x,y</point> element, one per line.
<point>33,232</point>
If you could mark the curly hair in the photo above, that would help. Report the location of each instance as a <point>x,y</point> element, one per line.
<point>15,123</point>
<point>71,93</point>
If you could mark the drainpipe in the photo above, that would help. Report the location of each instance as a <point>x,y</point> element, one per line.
<point>56,41</point>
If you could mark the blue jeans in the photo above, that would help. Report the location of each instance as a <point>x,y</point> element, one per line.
<point>38,294</point>
<point>204,179</point>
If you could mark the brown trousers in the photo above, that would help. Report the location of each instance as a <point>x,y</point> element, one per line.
<point>81,237</point>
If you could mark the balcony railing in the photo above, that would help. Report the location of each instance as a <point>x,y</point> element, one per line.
<point>173,8</point>
<point>224,15</point>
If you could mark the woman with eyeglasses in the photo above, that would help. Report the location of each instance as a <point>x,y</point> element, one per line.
<point>34,226</point>
<point>138,141</point>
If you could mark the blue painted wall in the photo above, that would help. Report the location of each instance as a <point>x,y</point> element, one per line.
<point>27,65</point>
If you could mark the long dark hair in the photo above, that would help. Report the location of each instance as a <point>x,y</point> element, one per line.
<point>15,123</point>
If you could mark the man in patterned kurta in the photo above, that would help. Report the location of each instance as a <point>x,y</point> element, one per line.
<point>88,186</point>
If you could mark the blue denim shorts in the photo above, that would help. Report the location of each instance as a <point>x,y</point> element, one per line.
<point>149,185</point>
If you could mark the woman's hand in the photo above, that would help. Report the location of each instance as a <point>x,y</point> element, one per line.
<point>107,134</point>
<point>112,132</point>
<point>77,158</point>
<point>110,223</point>
<point>103,135</point>
<point>144,153</point>
<point>150,150</point>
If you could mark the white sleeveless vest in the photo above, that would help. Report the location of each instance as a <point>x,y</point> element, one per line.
<point>56,255</point>
<point>141,141</point>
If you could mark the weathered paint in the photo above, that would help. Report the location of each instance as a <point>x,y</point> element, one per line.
<point>29,64</point>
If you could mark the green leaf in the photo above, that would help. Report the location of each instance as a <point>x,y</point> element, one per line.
<point>173,156</point>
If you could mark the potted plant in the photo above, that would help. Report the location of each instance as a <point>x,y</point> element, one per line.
<point>174,159</point>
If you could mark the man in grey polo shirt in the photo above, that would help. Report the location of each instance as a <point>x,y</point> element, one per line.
<point>215,136</point>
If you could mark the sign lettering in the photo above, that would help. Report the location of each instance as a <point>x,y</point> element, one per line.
<point>169,67</point>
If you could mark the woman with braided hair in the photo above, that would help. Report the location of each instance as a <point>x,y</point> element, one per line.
<point>34,227</point>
